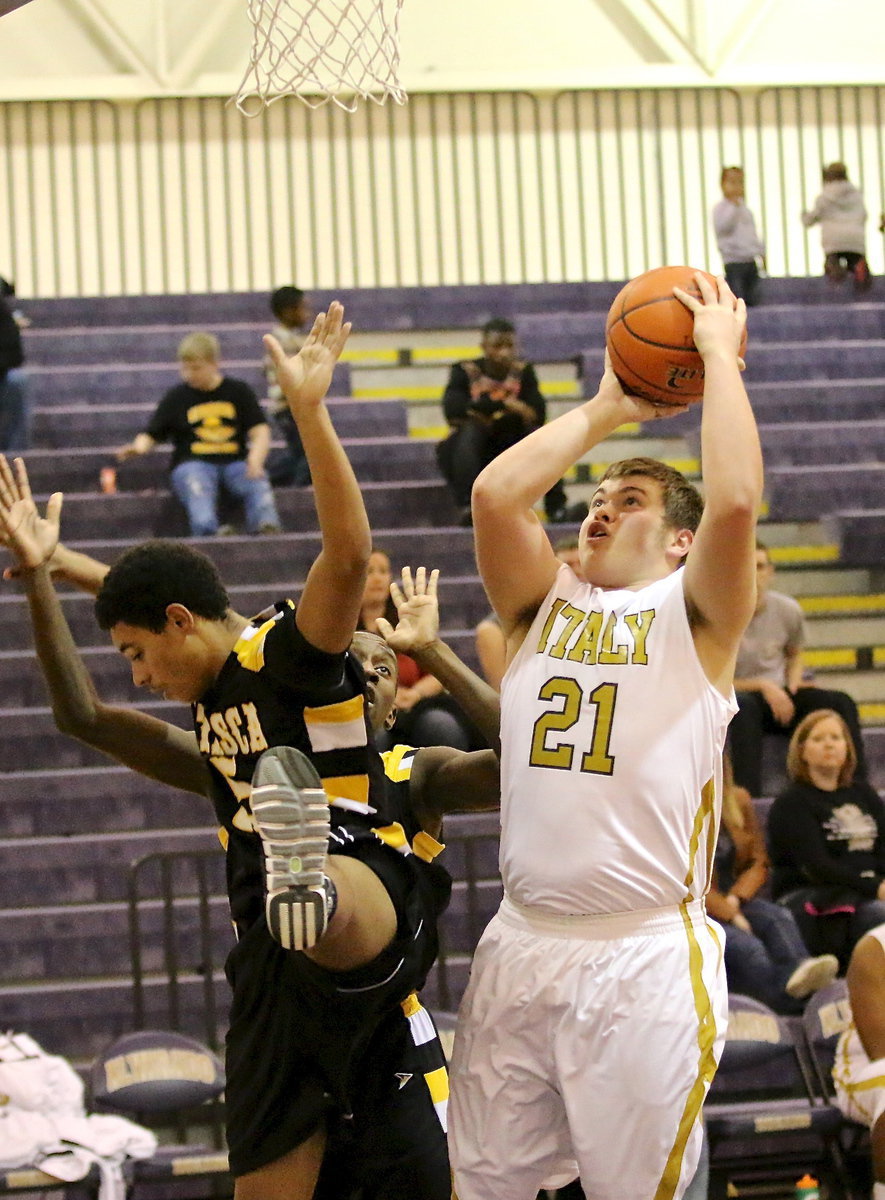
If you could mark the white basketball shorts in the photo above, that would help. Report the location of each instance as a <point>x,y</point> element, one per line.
<point>587,1038</point>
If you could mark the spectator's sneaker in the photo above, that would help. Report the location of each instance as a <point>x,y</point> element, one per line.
<point>291,812</point>
<point>811,975</point>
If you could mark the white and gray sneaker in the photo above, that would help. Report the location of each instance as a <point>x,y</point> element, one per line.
<point>811,975</point>
<point>291,812</point>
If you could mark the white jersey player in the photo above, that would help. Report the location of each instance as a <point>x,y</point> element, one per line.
<point>596,1011</point>
<point>859,1067</point>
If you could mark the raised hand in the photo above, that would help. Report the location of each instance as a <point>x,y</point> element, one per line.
<point>305,377</point>
<point>30,537</point>
<point>418,611</point>
<point>719,317</point>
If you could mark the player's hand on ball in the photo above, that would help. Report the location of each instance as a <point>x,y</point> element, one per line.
<point>720,319</point>
<point>635,407</point>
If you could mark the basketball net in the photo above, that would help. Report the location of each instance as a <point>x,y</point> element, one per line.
<point>322,50</point>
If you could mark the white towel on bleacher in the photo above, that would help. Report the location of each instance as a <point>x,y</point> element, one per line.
<point>44,1124</point>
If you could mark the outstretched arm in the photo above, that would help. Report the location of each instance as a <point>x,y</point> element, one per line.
<point>147,745</point>
<point>444,779</point>
<point>720,572</point>
<point>330,603</point>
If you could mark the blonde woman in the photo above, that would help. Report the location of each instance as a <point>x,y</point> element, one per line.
<point>827,839</point>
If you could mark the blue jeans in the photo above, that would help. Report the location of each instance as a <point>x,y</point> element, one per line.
<point>759,963</point>
<point>15,411</point>
<point>196,484</point>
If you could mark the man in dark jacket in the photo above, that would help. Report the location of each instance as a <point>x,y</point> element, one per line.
<point>491,403</point>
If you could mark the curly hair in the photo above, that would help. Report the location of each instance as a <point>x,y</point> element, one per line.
<point>285,297</point>
<point>145,580</point>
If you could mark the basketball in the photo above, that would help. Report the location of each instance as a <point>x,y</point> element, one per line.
<point>649,335</point>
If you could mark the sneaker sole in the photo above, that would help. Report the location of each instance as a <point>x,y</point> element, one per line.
<point>291,812</point>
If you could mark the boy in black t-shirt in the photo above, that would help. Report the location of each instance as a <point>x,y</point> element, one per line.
<point>220,439</point>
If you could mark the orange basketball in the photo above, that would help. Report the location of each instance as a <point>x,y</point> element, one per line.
<point>650,337</point>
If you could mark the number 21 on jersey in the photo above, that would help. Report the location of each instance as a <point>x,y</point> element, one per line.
<point>568,697</point>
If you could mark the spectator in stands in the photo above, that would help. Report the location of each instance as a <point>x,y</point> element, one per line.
<point>292,314</point>
<point>739,243</point>
<point>220,438</point>
<point>14,408</point>
<point>490,647</point>
<point>425,715</point>
<point>491,403</point>
<point>841,213</point>
<point>771,694</point>
<point>826,836</point>
<point>859,1067</point>
<point>765,956</point>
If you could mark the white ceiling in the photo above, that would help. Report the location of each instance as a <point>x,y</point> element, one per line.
<point>136,48</point>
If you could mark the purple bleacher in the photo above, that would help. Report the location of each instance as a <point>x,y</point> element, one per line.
<point>551,336</point>
<point>373,458</point>
<point>79,1016</point>
<point>388,308</point>
<point>565,335</point>
<point>791,400</point>
<point>96,425</point>
<point>859,533</point>
<point>812,289</point>
<point>797,322</point>
<point>264,561</point>
<point>144,383</point>
<point>138,344</point>
<point>809,493</point>
<point>458,306</point>
<point>785,362</point>
<point>85,868</point>
<point>30,740</point>
<point>808,443</point>
<point>157,514</point>
<point>54,802</point>
<point>43,943</point>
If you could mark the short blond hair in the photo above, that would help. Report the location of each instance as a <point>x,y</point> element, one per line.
<point>202,346</point>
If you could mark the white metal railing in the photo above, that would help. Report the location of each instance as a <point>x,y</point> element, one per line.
<point>186,195</point>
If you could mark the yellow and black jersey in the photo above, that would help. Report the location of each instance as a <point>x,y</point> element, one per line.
<point>276,689</point>
<point>405,834</point>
